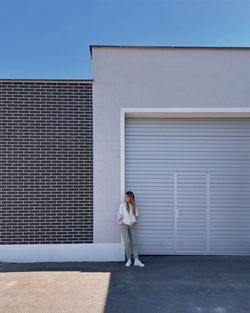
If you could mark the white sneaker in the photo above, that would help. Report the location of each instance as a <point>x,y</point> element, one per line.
<point>138,263</point>
<point>128,263</point>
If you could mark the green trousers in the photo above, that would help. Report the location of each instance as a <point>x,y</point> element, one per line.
<point>128,235</point>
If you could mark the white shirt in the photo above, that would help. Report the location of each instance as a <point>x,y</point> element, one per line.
<point>128,217</point>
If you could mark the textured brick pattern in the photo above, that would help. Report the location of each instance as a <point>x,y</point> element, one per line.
<point>46,162</point>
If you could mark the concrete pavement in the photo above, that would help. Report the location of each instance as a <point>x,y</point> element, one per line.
<point>167,284</point>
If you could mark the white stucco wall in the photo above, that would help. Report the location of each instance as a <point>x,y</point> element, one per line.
<point>153,78</point>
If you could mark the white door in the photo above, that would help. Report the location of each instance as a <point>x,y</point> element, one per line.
<point>191,212</point>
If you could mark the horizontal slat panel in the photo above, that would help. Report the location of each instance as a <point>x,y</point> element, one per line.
<point>156,149</point>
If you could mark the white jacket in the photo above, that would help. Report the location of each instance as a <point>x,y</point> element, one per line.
<point>123,216</point>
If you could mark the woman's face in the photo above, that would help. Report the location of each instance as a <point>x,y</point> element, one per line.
<point>126,198</point>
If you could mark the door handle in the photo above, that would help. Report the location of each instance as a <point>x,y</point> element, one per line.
<point>177,213</point>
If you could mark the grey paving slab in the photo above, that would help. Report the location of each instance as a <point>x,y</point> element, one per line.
<point>167,284</point>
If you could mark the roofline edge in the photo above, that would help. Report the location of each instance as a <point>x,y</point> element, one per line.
<point>164,47</point>
<point>45,80</point>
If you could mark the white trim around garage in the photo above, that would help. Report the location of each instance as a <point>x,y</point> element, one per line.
<point>231,112</point>
<point>122,151</point>
<point>186,112</point>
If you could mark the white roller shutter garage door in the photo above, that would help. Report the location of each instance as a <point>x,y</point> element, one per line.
<point>191,179</point>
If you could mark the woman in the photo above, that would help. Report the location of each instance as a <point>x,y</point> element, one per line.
<point>127,219</point>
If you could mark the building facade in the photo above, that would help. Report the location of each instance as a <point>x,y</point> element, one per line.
<point>170,124</point>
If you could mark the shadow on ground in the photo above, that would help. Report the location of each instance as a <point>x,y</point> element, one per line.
<point>167,284</point>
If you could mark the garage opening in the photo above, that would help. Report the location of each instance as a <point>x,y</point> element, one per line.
<point>191,179</point>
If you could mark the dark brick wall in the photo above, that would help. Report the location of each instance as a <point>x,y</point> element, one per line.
<point>46,162</point>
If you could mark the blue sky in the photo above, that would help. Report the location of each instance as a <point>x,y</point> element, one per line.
<point>51,38</point>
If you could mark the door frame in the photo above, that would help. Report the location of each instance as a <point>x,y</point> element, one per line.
<point>231,112</point>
